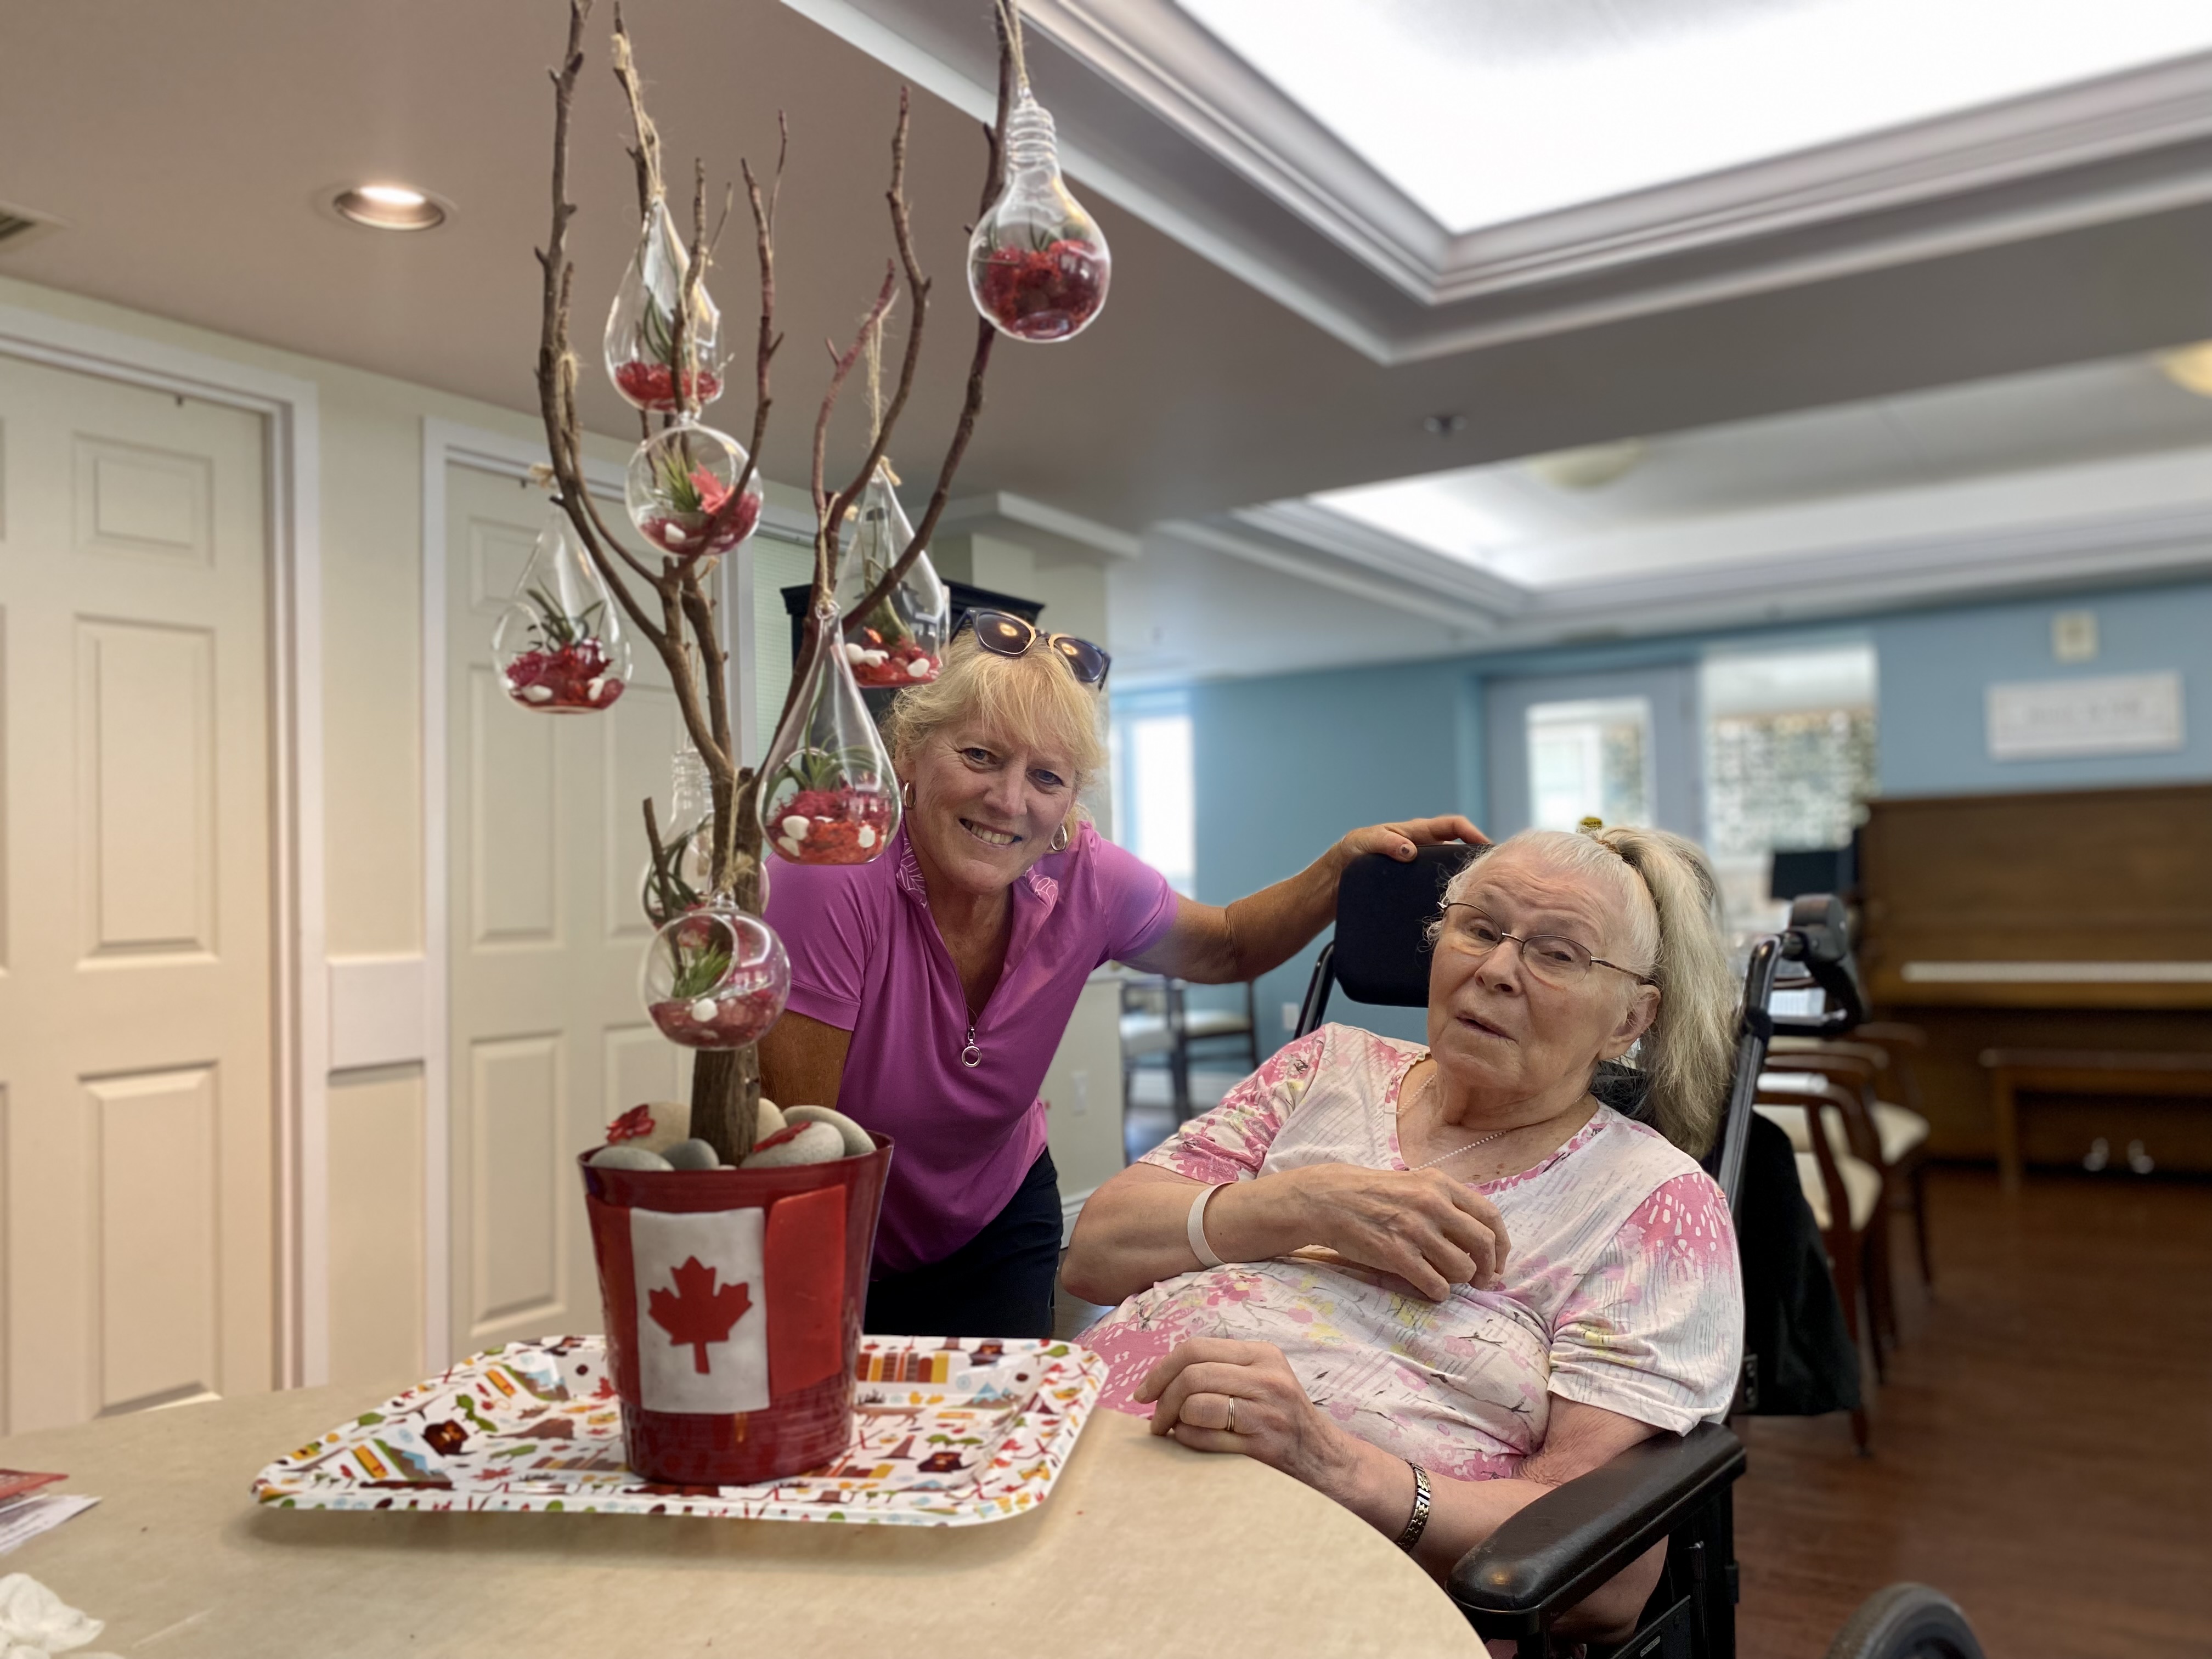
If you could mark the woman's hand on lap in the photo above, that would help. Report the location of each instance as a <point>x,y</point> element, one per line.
<point>1208,1382</point>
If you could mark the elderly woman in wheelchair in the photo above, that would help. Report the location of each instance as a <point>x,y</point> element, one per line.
<point>1434,1283</point>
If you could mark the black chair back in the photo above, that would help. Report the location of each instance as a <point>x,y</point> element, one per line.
<point>1379,954</point>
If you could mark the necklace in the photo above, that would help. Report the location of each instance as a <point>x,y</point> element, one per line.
<point>1456,1151</point>
<point>971,1056</point>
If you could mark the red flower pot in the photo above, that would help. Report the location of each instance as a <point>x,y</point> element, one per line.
<point>734,1301</point>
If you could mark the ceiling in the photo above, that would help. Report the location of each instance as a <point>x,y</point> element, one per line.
<point>1249,356</point>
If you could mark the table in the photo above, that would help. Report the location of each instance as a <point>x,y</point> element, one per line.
<point>1143,1549</point>
<point>2086,1071</point>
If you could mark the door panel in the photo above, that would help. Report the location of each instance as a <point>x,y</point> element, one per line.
<point>547,863</point>
<point>136,1047</point>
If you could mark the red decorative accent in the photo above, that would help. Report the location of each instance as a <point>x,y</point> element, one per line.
<point>721,522</point>
<point>804,1429</point>
<point>696,1313</point>
<point>803,1263</point>
<point>633,1125</point>
<point>576,675</point>
<point>1043,294</point>
<point>653,386</point>
<point>740,1018</point>
<point>897,667</point>
<point>831,822</point>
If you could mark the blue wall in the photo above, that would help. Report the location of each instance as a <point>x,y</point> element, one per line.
<point>1287,765</point>
<point>1936,666</point>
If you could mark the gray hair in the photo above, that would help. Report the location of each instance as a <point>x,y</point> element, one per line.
<point>1673,901</point>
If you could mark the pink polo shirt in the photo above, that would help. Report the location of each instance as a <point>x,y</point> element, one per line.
<point>865,957</point>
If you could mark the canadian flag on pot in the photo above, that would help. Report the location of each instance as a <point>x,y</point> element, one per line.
<point>733,1306</point>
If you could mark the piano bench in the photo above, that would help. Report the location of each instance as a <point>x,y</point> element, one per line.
<point>2083,1071</point>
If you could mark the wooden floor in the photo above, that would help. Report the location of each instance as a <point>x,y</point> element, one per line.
<point>2043,1448</point>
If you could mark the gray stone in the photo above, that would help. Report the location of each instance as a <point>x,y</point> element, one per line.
<point>817,1143</point>
<point>692,1155</point>
<point>857,1142</point>
<point>628,1157</point>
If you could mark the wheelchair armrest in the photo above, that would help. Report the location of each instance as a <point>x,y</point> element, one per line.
<point>1551,1555</point>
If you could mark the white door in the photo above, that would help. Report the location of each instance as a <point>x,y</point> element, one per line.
<point>136,1065</point>
<point>546,865</point>
<point>1624,746</point>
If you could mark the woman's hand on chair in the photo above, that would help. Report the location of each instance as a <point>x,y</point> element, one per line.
<point>1429,1229</point>
<point>1217,1396</point>
<point>1398,841</point>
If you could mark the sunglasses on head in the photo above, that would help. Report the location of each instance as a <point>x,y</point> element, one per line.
<point>1008,636</point>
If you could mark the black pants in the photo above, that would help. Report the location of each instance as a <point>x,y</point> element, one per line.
<point>998,1284</point>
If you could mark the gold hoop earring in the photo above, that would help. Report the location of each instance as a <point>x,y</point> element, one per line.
<point>1059,839</point>
<point>906,793</point>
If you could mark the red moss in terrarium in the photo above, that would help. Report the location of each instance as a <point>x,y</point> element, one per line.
<point>1043,294</point>
<point>729,1019</point>
<point>652,386</point>
<point>570,679</point>
<point>839,825</point>
<point>879,666</point>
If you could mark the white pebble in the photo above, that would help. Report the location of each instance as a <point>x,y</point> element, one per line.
<point>692,1155</point>
<point>875,658</point>
<point>592,689</point>
<point>918,668</point>
<point>794,827</point>
<point>629,1157</point>
<point>866,838</point>
<point>704,1010</point>
<point>855,655</point>
<point>537,694</point>
<point>858,1141</point>
<point>817,1143</point>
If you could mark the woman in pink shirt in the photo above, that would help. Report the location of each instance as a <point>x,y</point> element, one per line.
<point>930,989</point>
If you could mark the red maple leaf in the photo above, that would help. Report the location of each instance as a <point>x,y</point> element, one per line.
<point>697,1313</point>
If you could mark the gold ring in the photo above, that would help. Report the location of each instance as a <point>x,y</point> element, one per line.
<point>1233,1414</point>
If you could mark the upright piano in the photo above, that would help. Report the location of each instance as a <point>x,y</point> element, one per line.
<point>2077,920</point>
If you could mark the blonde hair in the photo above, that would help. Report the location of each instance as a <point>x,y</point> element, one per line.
<point>1673,901</point>
<point>1032,699</point>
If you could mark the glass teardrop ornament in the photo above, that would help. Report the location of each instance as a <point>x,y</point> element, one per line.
<point>901,641</point>
<point>559,645</point>
<point>642,351</point>
<point>714,978</point>
<point>681,490</point>
<point>1037,264</point>
<point>828,792</point>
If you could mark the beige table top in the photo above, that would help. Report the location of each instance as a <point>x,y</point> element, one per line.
<point>1143,1549</point>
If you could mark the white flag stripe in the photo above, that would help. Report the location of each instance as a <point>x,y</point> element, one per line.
<point>729,1243</point>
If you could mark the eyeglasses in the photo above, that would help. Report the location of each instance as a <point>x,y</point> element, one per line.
<point>1555,961</point>
<point>1007,636</point>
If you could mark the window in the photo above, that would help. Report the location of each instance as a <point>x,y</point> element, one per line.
<point>1589,759</point>
<point>1789,763</point>
<point>1154,795</point>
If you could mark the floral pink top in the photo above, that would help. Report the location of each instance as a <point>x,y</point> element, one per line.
<point>1620,1290</point>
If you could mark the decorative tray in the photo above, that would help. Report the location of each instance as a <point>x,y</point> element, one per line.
<point>948,1432</point>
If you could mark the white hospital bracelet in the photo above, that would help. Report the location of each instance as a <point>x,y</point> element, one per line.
<point>1194,1230</point>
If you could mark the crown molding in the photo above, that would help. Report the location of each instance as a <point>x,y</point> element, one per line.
<point>1161,118</point>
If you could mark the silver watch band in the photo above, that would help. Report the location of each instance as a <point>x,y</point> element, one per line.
<point>1418,1521</point>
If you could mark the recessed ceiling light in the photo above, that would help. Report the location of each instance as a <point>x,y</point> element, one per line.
<point>1591,467</point>
<point>390,207</point>
<point>2190,368</point>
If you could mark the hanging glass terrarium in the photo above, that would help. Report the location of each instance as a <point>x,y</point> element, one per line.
<point>559,645</point>
<point>682,492</point>
<point>716,978</point>
<point>1037,264</point>
<point>901,641</point>
<point>648,360</point>
<point>828,793</point>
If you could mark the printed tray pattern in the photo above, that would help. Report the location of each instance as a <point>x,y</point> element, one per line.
<point>950,1432</point>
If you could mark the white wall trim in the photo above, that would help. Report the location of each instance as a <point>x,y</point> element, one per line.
<point>290,411</point>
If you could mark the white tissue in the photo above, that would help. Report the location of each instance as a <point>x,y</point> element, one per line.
<point>37,1624</point>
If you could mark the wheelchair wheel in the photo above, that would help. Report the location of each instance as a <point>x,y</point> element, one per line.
<point>1907,1621</point>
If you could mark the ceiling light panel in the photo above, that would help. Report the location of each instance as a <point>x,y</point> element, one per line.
<point>1485,112</point>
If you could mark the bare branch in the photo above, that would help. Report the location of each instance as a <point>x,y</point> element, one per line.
<point>972,404</point>
<point>764,241</point>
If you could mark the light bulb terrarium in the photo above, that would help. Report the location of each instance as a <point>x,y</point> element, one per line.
<point>1037,263</point>
<point>828,793</point>
<point>679,872</point>
<point>901,639</point>
<point>654,365</point>
<point>683,496</point>
<point>559,644</point>
<point>716,978</point>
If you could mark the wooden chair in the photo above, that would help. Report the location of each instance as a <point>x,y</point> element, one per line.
<point>1151,1023</point>
<point>1845,1191</point>
<point>1901,1120</point>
